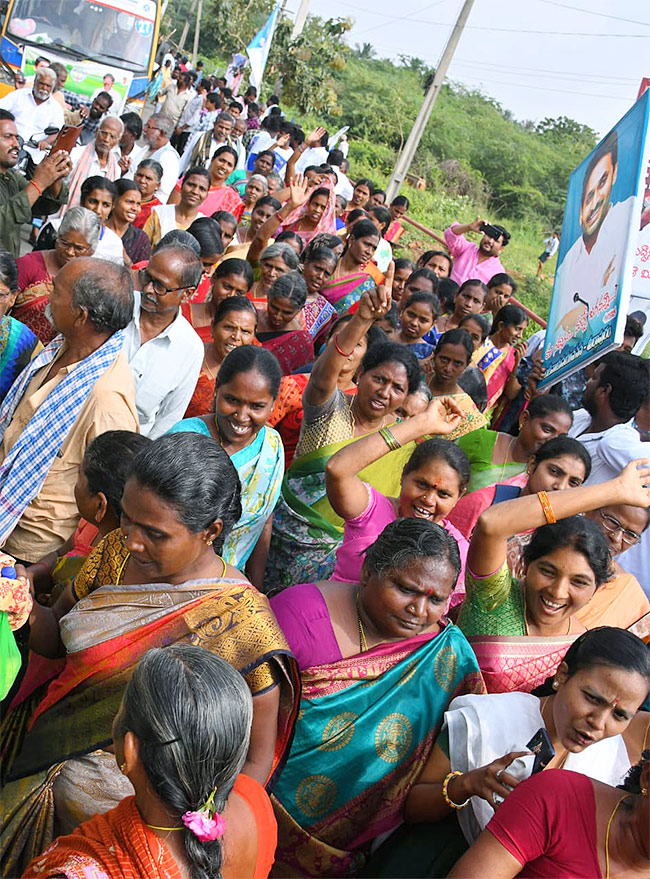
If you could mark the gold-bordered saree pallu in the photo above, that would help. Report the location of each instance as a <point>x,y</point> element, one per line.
<point>365,729</point>
<point>106,633</point>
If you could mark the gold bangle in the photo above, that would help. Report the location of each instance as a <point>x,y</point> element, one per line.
<point>387,435</point>
<point>546,507</point>
<point>445,795</point>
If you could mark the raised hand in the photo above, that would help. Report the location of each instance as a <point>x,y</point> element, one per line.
<point>476,225</point>
<point>314,138</point>
<point>374,303</point>
<point>442,416</point>
<point>298,191</point>
<point>634,483</point>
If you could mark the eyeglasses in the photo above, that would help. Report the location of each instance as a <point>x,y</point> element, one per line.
<point>158,287</point>
<point>613,526</point>
<point>79,249</point>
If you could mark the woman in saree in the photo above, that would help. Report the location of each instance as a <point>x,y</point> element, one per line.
<point>558,464</point>
<point>364,652</point>
<point>520,630</point>
<point>566,825</point>
<point>166,217</point>
<point>500,355</point>
<point>232,277</point>
<point>246,387</point>
<point>361,193</point>
<point>159,580</point>
<point>77,236</point>
<point>498,456</point>
<point>443,370</point>
<point>589,708</point>
<point>256,188</point>
<point>137,246</point>
<point>281,328</point>
<point>306,530</point>
<point>469,299</point>
<point>275,260</point>
<point>288,411</point>
<point>315,215</point>
<point>318,265</point>
<point>147,178</point>
<point>220,196</point>
<point>233,325</point>
<point>434,476</point>
<point>350,279</point>
<point>18,344</point>
<point>181,736</point>
<point>398,208</point>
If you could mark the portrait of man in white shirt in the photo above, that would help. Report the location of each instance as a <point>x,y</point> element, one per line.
<point>592,266</point>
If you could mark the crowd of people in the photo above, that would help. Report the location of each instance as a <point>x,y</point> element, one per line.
<point>302,572</point>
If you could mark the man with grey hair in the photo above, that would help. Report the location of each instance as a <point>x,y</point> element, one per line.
<point>77,388</point>
<point>95,159</point>
<point>202,151</point>
<point>165,353</point>
<point>157,132</point>
<point>36,110</point>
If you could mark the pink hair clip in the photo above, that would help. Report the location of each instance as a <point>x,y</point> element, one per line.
<point>206,824</point>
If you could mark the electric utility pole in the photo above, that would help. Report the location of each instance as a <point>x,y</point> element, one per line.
<point>301,18</point>
<point>197,32</point>
<point>410,147</point>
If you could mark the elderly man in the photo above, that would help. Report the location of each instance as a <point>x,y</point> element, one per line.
<point>17,196</point>
<point>200,152</point>
<point>36,110</point>
<point>96,159</point>
<point>157,132</point>
<point>78,387</point>
<point>164,351</point>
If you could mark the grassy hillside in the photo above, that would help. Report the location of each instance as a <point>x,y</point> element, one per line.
<point>476,159</point>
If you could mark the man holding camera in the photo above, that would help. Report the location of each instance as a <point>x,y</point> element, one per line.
<point>470,260</point>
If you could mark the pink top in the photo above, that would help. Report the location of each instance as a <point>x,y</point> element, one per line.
<point>548,823</point>
<point>304,618</point>
<point>363,530</point>
<point>466,264</point>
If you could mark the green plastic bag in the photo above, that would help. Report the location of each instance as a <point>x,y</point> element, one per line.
<point>9,656</point>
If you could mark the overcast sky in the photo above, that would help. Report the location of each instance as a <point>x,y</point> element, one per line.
<point>536,57</point>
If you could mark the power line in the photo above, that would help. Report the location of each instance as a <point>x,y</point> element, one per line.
<point>540,88</point>
<point>592,12</point>
<point>566,74</point>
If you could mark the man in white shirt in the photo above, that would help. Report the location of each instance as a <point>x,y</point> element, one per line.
<point>611,399</point>
<point>36,110</point>
<point>165,353</point>
<point>551,245</point>
<point>592,267</point>
<point>109,82</point>
<point>335,159</point>
<point>178,93</point>
<point>157,132</point>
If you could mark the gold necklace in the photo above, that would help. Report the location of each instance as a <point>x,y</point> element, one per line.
<point>609,826</point>
<point>363,643</point>
<point>505,463</point>
<point>155,827</point>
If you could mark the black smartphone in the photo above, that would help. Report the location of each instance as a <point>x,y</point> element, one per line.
<point>489,230</point>
<point>541,746</point>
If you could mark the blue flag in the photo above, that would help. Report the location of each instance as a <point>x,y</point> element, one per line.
<point>259,47</point>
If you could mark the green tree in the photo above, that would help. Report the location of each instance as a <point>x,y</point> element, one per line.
<point>365,51</point>
<point>309,63</point>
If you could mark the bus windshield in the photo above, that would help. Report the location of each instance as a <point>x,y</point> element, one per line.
<point>117,31</point>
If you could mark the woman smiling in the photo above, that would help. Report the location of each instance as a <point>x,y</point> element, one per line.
<point>519,631</point>
<point>164,218</point>
<point>246,387</point>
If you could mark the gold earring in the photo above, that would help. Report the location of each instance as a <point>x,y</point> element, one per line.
<point>208,543</point>
<point>123,768</point>
<point>644,791</point>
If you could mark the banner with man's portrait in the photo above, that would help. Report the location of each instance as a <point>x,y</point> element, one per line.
<point>600,236</point>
